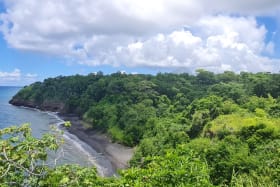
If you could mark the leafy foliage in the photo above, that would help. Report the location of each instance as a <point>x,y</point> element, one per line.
<point>203,130</point>
<point>23,157</point>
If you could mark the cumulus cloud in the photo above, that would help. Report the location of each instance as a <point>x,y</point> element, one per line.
<point>15,77</point>
<point>160,33</point>
<point>216,43</point>
<point>10,76</point>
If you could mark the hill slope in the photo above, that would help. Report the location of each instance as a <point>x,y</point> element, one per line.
<point>224,125</point>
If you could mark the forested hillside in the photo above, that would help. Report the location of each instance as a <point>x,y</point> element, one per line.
<point>190,130</point>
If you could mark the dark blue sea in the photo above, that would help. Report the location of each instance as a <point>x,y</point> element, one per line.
<point>73,150</point>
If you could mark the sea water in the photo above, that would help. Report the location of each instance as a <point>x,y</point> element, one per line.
<point>73,151</point>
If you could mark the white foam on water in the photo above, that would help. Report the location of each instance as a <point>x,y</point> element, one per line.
<point>103,165</point>
<point>93,156</point>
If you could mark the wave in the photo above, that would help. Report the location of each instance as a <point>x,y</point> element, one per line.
<point>102,164</point>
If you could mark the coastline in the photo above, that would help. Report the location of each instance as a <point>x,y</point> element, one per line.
<point>118,155</point>
<point>114,156</point>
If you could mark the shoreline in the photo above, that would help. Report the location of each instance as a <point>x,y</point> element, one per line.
<point>118,155</point>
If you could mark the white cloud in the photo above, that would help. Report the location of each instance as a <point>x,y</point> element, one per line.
<point>220,43</point>
<point>249,7</point>
<point>144,33</point>
<point>270,48</point>
<point>10,76</point>
<point>15,77</point>
<point>30,75</point>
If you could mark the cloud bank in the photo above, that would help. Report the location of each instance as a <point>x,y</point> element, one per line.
<point>174,35</point>
<point>12,78</point>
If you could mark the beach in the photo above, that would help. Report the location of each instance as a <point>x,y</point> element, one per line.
<point>118,155</point>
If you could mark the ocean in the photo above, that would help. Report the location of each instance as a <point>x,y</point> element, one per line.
<point>74,150</point>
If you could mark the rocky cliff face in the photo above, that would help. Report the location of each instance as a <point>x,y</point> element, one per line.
<point>45,106</point>
<point>21,102</point>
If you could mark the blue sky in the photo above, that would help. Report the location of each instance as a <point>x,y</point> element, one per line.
<point>43,39</point>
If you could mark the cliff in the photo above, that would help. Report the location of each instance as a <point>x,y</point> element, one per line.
<point>47,105</point>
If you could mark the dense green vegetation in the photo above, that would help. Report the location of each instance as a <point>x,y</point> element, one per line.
<point>204,130</point>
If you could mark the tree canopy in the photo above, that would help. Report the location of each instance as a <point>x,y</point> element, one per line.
<point>189,130</point>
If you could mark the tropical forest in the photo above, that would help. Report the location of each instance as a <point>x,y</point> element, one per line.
<point>202,129</point>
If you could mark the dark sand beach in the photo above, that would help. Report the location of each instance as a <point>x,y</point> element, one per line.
<point>119,155</point>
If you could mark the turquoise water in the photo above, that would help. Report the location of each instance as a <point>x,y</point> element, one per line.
<point>73,151</point>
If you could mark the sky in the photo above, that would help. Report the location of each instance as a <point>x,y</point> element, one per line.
<point>48,38</point>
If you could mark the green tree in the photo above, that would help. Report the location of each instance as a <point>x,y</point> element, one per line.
<point>23,157</point>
